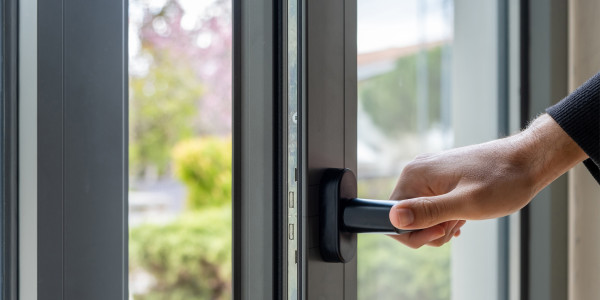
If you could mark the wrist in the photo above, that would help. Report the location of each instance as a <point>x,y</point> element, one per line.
<point>547,150</point>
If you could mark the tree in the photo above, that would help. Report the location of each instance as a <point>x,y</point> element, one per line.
<point>390,99</point>
<point>162,106</point>
<point>180,79</point>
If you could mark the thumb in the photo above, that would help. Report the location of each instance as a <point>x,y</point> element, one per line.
<point>423,212</point>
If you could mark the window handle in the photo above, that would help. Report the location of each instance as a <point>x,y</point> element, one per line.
<point>342,215</point>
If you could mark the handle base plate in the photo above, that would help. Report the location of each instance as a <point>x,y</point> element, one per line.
<point>337,187</point>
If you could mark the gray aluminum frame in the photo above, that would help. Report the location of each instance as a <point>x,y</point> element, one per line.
<point>327,97</point>
<point>256,153</point>
<point>82,156</point>
<point>330,131</point>
<point>9,151</point>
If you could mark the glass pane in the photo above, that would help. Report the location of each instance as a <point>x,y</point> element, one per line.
<point>404,109</point>
<point>180,149</point>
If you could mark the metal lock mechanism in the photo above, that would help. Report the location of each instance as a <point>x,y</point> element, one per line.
<point>342,215</point>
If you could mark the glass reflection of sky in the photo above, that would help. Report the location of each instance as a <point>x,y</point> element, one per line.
<point>398,23</point>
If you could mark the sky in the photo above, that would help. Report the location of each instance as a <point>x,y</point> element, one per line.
<point>386,24</point>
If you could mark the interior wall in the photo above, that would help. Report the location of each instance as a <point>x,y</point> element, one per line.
<point>584,192</point>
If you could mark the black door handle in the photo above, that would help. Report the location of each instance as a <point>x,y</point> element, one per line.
<point>342,215</point>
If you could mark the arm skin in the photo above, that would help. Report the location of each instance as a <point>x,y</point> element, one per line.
<point>490,180</point>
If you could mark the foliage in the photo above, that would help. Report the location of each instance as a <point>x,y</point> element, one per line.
<point>189,258</point>
<point>180,78</point>
<point>162,108</point>
<point>200,32</point>
<point>391,99</point>
<point>204,166</point>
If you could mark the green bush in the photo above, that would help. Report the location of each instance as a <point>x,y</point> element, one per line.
<point>189,258</point>
<point>204,166</point>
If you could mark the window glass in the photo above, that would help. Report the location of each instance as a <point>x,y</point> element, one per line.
<point>404,109</point>
<point>180,154</point>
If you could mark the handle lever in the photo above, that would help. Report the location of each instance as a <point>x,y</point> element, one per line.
<point>369,216</point>
<point>342,215</point>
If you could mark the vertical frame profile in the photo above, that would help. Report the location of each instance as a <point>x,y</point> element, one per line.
<point>82,150</point>
<point>257,151</point>
<point>330,134</point>
<point>326,137</point>
<point>9,151</point>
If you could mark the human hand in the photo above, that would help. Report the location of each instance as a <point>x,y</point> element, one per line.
<point>478,182</point>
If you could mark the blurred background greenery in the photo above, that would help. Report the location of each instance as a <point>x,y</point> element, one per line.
<point>180,149</point>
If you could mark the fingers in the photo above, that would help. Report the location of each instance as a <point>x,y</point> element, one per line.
<point>434,236</point>
<point>452,229</point>
<point>424,212</point>
<point>419,238</point>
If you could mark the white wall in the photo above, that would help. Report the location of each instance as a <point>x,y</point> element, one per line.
<point>584,191</point>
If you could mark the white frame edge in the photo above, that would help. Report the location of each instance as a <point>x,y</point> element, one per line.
<point>28,149</point>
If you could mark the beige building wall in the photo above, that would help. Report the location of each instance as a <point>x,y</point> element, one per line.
<point>584,192</point>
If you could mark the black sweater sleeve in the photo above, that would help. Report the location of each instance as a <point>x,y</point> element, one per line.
<point>579,116</point>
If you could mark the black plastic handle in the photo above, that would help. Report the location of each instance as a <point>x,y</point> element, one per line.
<point>342,215</point>
<point>366,215</point>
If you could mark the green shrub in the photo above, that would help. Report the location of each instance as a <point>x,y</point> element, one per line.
<point>189,258</point>
<point>204,166</point>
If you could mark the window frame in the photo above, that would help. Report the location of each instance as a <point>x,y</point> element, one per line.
<point>256,151</point>
<point>9,151</point>
<point>73,158</point>
<point>259,130</point>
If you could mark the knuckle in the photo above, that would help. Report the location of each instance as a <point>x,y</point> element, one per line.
<point>423,156</point>
<point>411,167</point>
<point>431,209</point>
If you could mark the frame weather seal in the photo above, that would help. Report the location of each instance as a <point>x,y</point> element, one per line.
<point>293,154</point>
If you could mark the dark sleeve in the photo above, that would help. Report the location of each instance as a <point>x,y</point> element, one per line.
<point>579,116</point>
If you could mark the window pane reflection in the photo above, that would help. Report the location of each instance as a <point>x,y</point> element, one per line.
<point>404,109</point>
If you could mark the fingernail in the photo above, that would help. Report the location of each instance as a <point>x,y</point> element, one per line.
<point>405,216</point>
